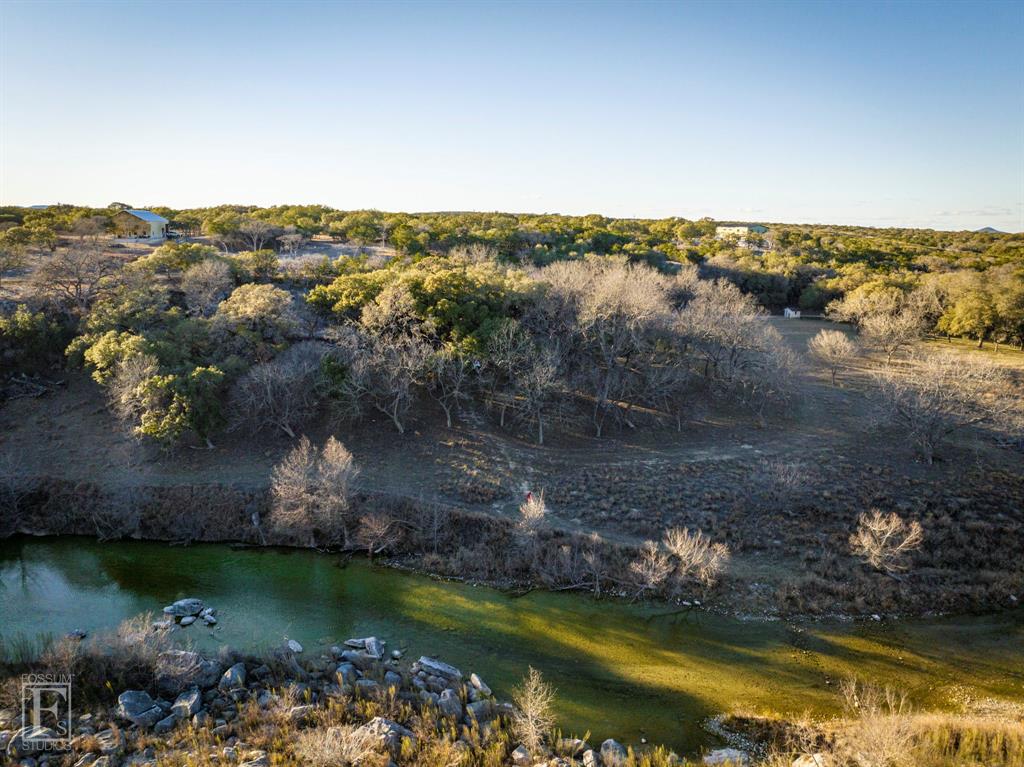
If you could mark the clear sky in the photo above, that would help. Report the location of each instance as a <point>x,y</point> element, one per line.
<point>892,114</point>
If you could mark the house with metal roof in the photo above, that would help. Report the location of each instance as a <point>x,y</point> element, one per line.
<point>140,224</point>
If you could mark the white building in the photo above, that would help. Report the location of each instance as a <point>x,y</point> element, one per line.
<point>739,230</point>
<point>142,224</point>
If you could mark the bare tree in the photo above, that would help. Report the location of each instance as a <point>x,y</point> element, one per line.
<point>650,569</point>
<point>389,369</point>
<point>448,375</point>
<point>941,394</point>
<point>537,385</point>
<point>127,400</point>
<point>310,490</point>
<point>834,349</point>
<point>281,393</point>
<point>893,332</point>
<point>533,718</point>
<point>696,556</point>
<point>377,533</point>
<point>291,242</point>
<point>256,233</point>
<point>74,277</point>
<point>205,285</point>
<point>884,540</point>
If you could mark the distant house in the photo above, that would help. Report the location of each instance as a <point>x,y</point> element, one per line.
<point>739,230</point>
<point>141,224</point>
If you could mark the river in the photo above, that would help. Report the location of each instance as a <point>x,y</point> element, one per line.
<point>621,670</point>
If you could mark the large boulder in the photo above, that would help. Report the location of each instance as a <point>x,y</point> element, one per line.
<point>439,668</point>
<point>138,708</point>
<point>184,608</point>
<point>178,670</point>
<point>613,753</point>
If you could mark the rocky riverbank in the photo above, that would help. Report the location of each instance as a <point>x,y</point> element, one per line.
<point>203,710</point>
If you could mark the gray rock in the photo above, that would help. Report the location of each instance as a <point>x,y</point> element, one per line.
<point>233,678</point>
<point>479,684</point>
<point>188,620</point>
<point>259,761</point>
<point>138,708</point>
<point>448,703</point>
<point>184,607</point>
<point>613,753</point>
<point>574,747</point>
<point>209,620</point>
<point>361,660</point>
<point>481,710</point>
<point>178,670</point>
<point>165,725</point>
<point>727,756</point>
<point>188,703</point>
<point>439,668</point>
<point>374,647</point>
<point>347,674</point>
<point>111,742</point>
<point>294,646</point>
<point>387,732</point>
<point>367,688</point>
<point>299,714</point>
<point>391,679</point>
<point>27,740</point>
<point>521,757</point>
<point>590,758</point>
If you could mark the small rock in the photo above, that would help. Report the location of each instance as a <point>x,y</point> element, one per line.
<point>479,684</point>
<point>294,646</point>
<point>392,679</point>
<point>165,725</point>
<point>389,733</point>
<point>188,703</point>
<point>448,704</point>
<point>590,759</point>
<point>438,668</point>
<point>727,757</point>
<point>188,620</point>
<point>137,707</point>
<point>481,710</point>
<point>521,757</point>
<point>184,607</point>
<point>374,647</point>
<point>299,714</point>
<point>76,634</point>
<point>233,678</point>
<point>25,740</point>
<point>613,753</point>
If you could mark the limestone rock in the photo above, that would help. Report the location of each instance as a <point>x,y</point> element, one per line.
<point>184,607</point>
<point>138,708</point>
<point>727,757</point>
<point>188,703</point>
<point>613,753</point>
<point>233,678</point>
<point>439,668</point>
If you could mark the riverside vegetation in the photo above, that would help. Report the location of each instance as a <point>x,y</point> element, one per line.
<point>548,328</point>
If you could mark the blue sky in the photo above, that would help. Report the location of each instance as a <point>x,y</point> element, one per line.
<point>892,114</point>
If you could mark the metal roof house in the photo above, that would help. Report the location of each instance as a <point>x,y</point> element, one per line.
<point>140,224</point>
<point>739,230</point>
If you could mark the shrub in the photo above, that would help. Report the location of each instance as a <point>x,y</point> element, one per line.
<point>884,540</point>
<point>533,718</point>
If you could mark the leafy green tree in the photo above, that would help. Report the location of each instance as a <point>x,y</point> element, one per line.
<point>972,315</point>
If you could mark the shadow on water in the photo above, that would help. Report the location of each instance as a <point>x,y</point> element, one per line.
<point>623,671</point>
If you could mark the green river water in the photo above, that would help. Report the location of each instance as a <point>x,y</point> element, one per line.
<point>623,671</point>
